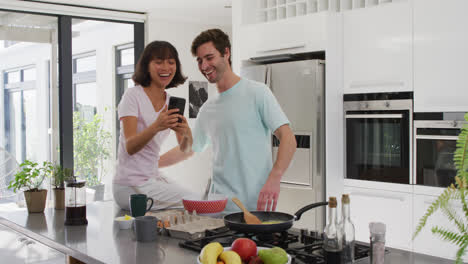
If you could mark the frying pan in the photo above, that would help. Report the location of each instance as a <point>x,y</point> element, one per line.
<point>236,221</point>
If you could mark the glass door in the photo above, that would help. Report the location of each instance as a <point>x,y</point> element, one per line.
<point>377,146</point>
<point>435,148</point>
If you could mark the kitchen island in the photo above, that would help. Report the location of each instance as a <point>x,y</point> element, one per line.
<point>101,241</point>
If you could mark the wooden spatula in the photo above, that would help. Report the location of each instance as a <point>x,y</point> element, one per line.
<point>248,216</point>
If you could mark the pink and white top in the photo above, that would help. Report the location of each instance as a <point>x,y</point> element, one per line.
<point>136,169</point>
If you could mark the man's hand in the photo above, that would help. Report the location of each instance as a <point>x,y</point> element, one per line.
<point>184,135</point>
<point>270,191</point>
<point>268,197</point>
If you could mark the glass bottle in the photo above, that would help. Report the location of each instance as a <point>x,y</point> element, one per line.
<point>347,228</point>
<point>332,237</point>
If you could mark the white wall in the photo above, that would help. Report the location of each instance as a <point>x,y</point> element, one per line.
<point>194,172</point>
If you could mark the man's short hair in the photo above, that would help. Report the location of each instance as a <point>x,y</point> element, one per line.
<point>217,36</point>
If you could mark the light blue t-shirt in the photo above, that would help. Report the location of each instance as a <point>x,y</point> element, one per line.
<point>238,124</point>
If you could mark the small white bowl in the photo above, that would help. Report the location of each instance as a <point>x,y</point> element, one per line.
<point>124,224</point>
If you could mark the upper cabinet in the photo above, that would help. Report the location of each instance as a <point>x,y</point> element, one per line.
<point>377,48</point>
<point>440,56</point>
<point>272,27</point>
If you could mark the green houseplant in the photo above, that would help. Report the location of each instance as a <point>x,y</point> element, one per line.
<point>457,192</point>
<point>29,179</point>
<point>58,177</point>
<point>91,144</point>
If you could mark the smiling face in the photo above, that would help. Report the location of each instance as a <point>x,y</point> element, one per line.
<point>162,71</point>
<point>211,63</point>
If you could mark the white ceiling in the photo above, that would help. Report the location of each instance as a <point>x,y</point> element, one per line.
<point>203,9</point>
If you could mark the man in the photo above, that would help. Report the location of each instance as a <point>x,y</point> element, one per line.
<point>238,123</point>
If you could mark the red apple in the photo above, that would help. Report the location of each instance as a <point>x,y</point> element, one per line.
<point>245,247</point>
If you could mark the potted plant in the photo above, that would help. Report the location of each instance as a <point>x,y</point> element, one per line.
<point>29,179</point>
<point>91,145</point>
<point>58,178</point>
<point>457,192</point>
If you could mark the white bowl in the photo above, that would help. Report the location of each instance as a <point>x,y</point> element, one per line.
<point>229,248</point>
<point>124,224</point>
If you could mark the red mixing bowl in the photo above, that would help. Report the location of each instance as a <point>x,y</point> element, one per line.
<point>215,204</point>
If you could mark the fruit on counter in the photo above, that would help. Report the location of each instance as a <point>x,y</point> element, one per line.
<point>211,253</point>
<point>246,248</point>
<point>230,257</point>
<point>256,260</point>
<point>274,255</point>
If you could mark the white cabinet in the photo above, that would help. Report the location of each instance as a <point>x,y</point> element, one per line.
<point>426,242</point>
<point>392,208</point>
<point>294,35</point>
<point>377,49</point>
<point>440,56</point>
<point>264,28</point>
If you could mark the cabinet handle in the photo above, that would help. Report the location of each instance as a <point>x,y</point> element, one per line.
<point>285,47</point>
<point>436,137</point>
<point>363,116</point>
<point>399,198</point>
<point>357,84</point>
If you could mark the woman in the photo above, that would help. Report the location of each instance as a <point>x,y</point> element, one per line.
<point>146,123</point>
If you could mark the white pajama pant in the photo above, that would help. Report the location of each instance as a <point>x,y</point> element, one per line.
<point>164,193</point>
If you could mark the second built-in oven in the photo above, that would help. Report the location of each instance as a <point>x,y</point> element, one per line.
<point>378,136</point>
<point>435,144</point>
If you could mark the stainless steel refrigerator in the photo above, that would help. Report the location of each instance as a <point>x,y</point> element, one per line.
<point>299,88</point>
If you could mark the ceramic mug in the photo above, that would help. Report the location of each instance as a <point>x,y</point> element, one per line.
<point>138,204</point>
<point>145,228</point>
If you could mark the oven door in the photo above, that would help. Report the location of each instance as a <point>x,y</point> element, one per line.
<point>377,146</point>
<point>435,147</point>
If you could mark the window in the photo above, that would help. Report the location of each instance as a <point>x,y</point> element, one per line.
<point>21,118</point>
<point>84,85</point>
<point>125,60</point>
<point>99,79</point>
<point>41,85</point>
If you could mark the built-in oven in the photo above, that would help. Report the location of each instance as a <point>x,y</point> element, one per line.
<point>435,142</point>
<point>378,136</point>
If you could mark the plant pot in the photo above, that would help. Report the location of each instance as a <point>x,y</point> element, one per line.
<point>59,198</point>
<point>35,201</point>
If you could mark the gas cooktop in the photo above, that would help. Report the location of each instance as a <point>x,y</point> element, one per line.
<point>304,246</point>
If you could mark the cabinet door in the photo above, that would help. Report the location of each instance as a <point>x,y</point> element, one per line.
<point>440,56</point>
<point>392,208</point>
<point>377,49</point>
<point>426,242</point>
<point>292,35</point>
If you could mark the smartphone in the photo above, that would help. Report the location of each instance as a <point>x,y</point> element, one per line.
<point>177,102</point>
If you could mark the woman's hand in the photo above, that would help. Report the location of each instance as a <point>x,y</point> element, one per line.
<point>166,119</point>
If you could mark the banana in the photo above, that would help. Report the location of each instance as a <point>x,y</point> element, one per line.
<point>230,257</point>
<point>211,252</point>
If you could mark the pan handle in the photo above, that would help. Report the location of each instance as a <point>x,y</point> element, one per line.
<point>306,208</point>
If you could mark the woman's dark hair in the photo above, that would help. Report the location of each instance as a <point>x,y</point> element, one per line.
<point>158,50</point>
<point>217,36</point>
